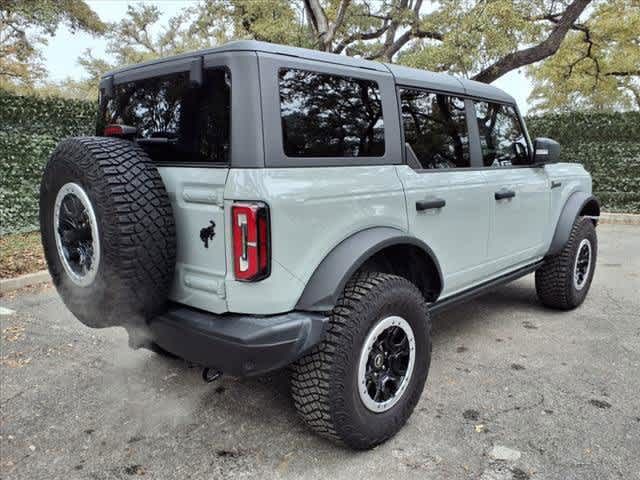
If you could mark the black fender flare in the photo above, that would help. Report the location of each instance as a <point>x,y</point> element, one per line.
<point>330,277</point>
<point>573,207</point>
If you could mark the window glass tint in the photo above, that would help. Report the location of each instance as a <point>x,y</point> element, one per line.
<point>501,136</point>
<point>176,122</point>
<point>330,116</point>
<point>436,128</point>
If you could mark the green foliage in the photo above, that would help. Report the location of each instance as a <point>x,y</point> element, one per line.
<point>597,65</point>
<point>132,39</point>
<point>30,128</point>
<point>476,34</point>
<point>577,57</point>
<point>607,144</point>
<point>25,26</point>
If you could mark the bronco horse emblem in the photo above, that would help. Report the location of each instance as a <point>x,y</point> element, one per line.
<point>207,233</point>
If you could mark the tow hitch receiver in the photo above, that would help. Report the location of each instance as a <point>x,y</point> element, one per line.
<point>210,374</point>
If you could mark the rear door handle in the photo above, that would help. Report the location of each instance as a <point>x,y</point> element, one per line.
<point>504,193</point>
<point>430,204</point>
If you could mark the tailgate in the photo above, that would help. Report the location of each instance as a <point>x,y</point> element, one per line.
<point>197,199</point>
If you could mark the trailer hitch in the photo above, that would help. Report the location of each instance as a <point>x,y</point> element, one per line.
<point>210,374</point>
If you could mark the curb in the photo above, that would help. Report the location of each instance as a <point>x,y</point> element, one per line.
<point>619,218</point>
<point>24,281</point>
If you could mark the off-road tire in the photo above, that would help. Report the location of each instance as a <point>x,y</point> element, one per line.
<point>554,279</point>
<point>324,382</point>
<point>135,227</point>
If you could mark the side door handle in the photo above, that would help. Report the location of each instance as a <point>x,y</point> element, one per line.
<point>430,204</point>
<point>504,193</point>
<point>556,184</point>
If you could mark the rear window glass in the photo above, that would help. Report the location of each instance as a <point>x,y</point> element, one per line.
<point>175,121</point>
<point>435,126</point>
<point>330,115</point>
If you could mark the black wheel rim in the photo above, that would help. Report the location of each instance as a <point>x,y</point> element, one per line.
<point>582,264</point>
<point>386,363</point>
<point>76,234</point>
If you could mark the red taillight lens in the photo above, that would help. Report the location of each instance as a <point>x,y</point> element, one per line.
<point>113,131</point>
<point>116,130</point>
<point>251,241</point>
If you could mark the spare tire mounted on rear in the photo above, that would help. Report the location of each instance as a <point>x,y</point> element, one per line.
<point>108,231</point>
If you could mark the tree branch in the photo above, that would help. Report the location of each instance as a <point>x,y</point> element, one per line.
<point>631,73</point>
<point>373,15</point>
<point>587,54</point>
<point>555,18</point>
<point>393,26</point>
<point>342,10</point>
<point>324,29</point>
<point>538,52</point>
<point>344,43</point>
<point>318,19</point>
<point>391,48</point>
<point>402,40</point>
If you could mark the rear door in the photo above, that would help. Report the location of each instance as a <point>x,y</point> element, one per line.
<point>185,128</point>
<point>518,193</point>
<point>446,200</point>
<point>198,209</point>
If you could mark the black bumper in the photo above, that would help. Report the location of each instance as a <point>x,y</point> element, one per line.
<point>240,345</point>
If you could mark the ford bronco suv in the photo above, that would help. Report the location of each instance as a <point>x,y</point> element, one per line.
<point>255,206</point>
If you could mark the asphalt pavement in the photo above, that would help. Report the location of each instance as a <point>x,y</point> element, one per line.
<point>515,391</point>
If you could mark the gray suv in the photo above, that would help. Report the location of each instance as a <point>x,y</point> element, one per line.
<point>255,206</point>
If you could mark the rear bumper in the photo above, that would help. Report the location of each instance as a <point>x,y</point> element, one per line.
<point>240,345</point>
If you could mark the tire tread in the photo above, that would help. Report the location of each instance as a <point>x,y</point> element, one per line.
<point>137,218</point>
<point>554,278</point>
<point>313,377</point>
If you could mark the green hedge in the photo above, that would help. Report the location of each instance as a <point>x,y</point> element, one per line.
<point>608,144</point>
<point>30,128</point>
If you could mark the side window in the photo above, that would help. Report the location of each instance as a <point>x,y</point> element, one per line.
<point>501,136</point>
<point>330,115</point>
<point>435,127</point>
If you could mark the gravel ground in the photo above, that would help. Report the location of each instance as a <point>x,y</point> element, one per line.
<point>515,392</point>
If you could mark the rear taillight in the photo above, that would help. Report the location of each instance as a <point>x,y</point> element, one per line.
<point>251,241</point>
<point>115,130</point>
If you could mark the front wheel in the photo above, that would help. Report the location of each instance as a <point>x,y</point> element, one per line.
<point>361,383</point>
<point>564,280</point>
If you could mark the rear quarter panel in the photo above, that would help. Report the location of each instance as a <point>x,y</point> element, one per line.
<point>312,210</point>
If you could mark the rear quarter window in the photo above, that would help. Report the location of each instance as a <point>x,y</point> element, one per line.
<point>327,115</point>
<point>435,127</point>
<point>176,122</point>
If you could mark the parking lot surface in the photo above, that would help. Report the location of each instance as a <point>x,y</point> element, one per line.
<point>515,391</point>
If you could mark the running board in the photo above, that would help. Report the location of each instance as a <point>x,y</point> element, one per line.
<point>483,288</point>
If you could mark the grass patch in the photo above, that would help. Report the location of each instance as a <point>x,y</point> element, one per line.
<point>20,253</point>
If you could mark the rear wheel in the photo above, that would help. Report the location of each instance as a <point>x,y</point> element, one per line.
<point>361,383</point>
<point>564,280</point>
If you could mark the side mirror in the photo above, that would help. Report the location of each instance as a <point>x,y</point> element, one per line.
<point>545,150</point>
